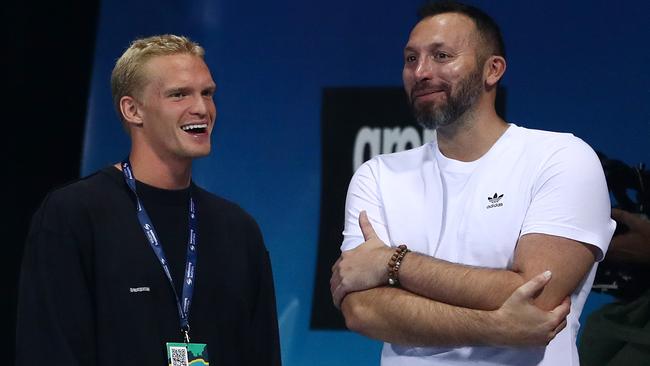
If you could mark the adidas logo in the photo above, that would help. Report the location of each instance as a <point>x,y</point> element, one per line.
<point>494,201</point>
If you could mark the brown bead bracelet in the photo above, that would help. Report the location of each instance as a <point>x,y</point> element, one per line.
<point>394,263</point>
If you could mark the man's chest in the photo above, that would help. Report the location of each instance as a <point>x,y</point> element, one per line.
<point>476,225</point>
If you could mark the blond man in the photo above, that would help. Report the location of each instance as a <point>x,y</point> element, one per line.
<point>122,264</point>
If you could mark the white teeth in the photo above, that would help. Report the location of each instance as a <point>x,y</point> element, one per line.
<point>194,126</point>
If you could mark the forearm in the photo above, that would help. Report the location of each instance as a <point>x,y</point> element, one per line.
<point>487,289</point>
<point>456,284</point>
<point>397,316</point>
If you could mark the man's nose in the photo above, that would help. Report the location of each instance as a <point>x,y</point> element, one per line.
<point>424,69</point>
<point>200,105</point>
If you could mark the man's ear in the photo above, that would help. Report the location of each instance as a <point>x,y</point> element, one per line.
<point>494,68</point>
<point>131,111</point>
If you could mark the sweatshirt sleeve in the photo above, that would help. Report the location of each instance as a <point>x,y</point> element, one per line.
<point>55,320</point>
<point>266,342</point>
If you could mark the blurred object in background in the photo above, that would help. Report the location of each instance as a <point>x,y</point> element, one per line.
<point>618,334</point>
<point>625,272</point>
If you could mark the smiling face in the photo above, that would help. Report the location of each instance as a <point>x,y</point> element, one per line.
<point>176,110</point>
<point>442,76</point>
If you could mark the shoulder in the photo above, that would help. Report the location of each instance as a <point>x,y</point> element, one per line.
<point>224,219</point>
<point>548,147</point>
<point>95,186</point>
<point>402,161</point>
<point>397,172</point>
<point>548,141</point>
<point>69,202</point>
<point>88,185</point>
<point>223,210</point>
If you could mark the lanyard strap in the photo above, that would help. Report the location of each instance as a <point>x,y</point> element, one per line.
<point>149,231</point>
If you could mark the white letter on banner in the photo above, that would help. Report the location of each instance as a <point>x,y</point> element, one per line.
<point>366,136</point>
<point>396,139</point>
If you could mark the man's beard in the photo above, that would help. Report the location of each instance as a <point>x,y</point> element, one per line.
<point>433,116</point>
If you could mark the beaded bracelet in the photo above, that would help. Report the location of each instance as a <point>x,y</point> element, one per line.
<point>394,263</point>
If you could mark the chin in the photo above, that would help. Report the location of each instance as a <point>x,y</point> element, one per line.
<point>195,153</point>
<point>201,154</point>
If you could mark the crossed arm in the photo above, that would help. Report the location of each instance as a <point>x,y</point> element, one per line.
<point>451,304</point>
<point>401,317</point>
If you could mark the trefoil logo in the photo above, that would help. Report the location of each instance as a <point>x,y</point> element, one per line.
<point>494,201</point>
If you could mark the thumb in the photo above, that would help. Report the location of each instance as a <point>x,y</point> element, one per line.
<point>366,227</point>
<point>530,288</point>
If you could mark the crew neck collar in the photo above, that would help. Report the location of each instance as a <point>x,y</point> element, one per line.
<point>453,165</point>
<point>150,194</point>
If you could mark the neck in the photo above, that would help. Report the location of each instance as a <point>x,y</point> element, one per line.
<point>158,172</point>
<point>473,135</point>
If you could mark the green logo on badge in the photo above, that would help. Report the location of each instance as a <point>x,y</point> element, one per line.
<point>186,354</point>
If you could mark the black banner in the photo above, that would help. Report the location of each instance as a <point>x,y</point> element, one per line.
<point>356,124</point>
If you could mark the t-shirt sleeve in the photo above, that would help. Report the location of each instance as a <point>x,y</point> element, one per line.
<point>363,195</point>
<point>570,198</point>
<point>55,320</point>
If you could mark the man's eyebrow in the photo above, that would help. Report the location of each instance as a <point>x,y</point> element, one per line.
<point>187,90</point>
<point>409,49</point>
<point>173,90</point>
<point>430,46</point>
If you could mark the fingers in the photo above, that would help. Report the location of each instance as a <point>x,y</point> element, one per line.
<point>335,280</point>
<point>556,331</point>
<point>559,317</point>
<point>366,227</point>
<point>562,310</point>
<point>336,289</point>
<point>336,264</point>
<point>337,296</point>
<point>559,328</point>
<point>530,288</point>
<point>629,219</point>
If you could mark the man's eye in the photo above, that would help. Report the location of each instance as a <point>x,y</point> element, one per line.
<point>441,56</point>
<point>410,58</point>
<point>177,95</point>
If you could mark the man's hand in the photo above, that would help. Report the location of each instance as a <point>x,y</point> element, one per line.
<point>363,267</point>
<point>634,245</point>
<point>520,323</point>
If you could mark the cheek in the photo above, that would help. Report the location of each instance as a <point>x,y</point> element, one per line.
<point>407,79</point>
<point>454,72</point>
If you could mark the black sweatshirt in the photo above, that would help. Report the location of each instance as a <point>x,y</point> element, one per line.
<point>92,291</point>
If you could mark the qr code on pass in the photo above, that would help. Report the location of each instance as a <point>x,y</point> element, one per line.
<point>178,356</point>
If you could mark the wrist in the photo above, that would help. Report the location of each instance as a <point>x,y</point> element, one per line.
<point>395,263</point>
<point>493,331</point>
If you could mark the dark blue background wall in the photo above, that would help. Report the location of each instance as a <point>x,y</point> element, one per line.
<point>572,66</point>
<point>578,66</point>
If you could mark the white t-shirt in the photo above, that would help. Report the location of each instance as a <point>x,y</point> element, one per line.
<point>473,213</point>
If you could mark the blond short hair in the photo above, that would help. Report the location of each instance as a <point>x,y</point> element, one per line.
<point>128,79</point>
